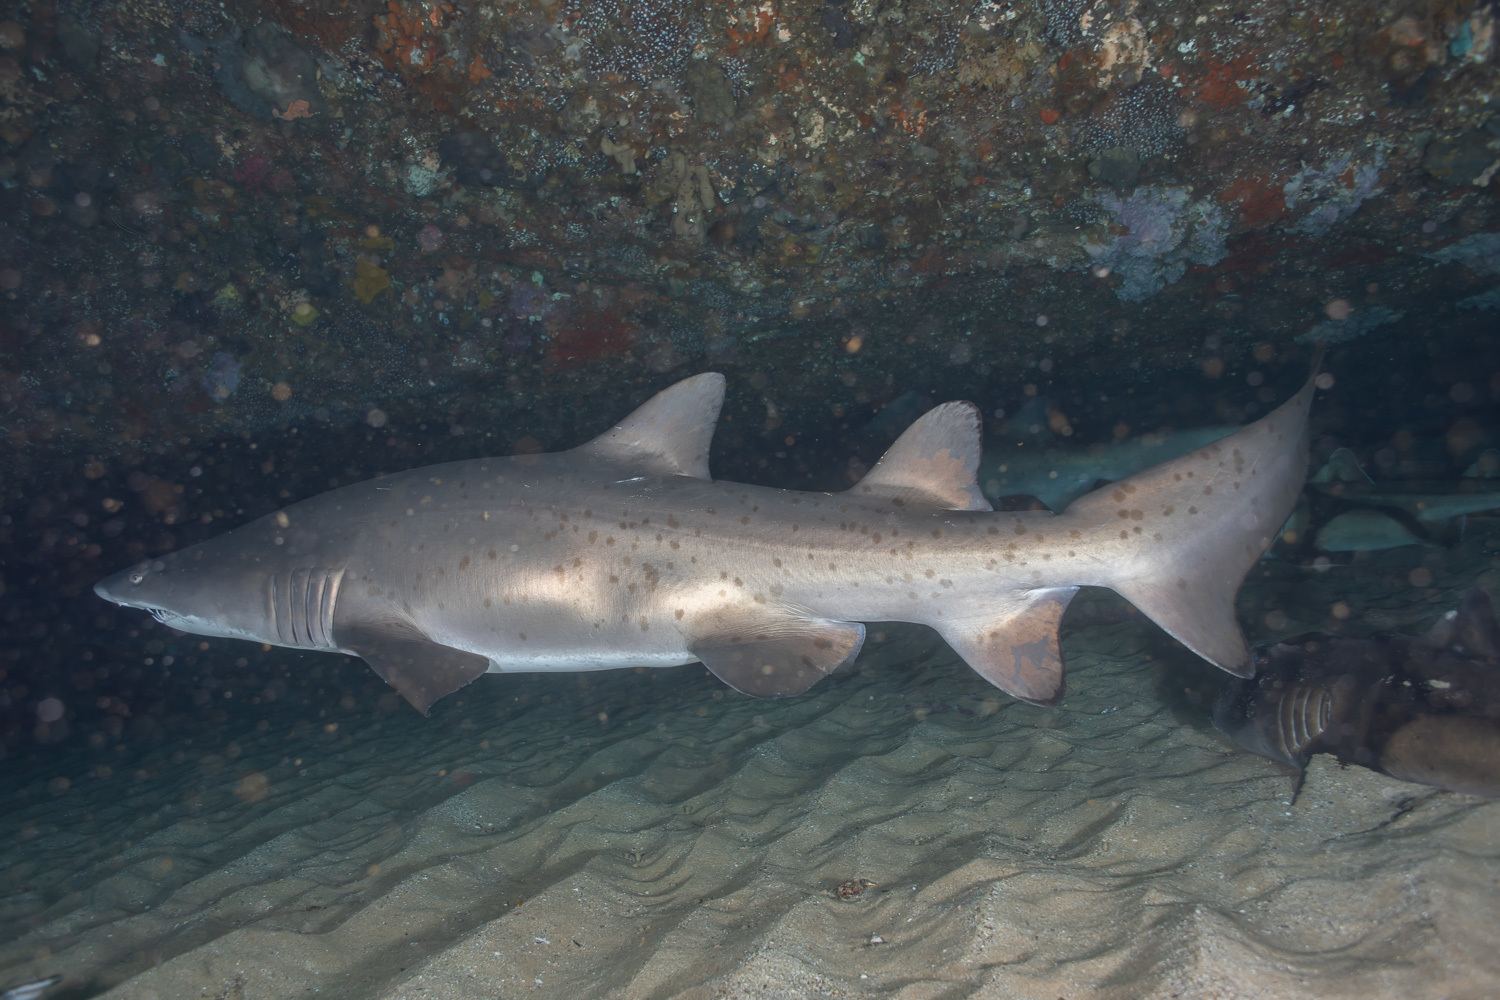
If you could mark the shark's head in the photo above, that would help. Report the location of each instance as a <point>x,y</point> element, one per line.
<point>193,591</point>
<point>263,581</point>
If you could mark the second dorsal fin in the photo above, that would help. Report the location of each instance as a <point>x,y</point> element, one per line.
<point>669,434</point>
<point>934,464</point>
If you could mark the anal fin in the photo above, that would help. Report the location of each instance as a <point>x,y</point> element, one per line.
<point>1017,650</point>
<point>774,655</point>
<point>422,670</point>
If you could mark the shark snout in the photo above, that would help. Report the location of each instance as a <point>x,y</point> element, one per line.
<point>206,594</point>
<point>112,587</point>
<point>125,587</point>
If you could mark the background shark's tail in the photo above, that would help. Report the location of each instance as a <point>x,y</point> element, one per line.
<point>1180,537</point>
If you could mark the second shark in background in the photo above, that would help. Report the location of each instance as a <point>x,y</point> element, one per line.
<point>1344,510</point>
<point>1423,709</point>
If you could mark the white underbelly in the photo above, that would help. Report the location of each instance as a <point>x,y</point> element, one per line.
<point>603,660</point>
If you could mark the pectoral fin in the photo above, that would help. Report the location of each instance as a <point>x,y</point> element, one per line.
<point>775,656</point>
<point>422,670</point>
<point>1018,650</point>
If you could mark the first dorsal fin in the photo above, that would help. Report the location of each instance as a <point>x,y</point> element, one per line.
<point>934,464</point>
<point>669,434</point>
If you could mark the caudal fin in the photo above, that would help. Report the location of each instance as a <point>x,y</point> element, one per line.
<point>1178,539</point>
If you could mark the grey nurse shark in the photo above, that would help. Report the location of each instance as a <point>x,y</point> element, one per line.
<point>1424,709</point>
<point>1059,475</point>
<point>1372,516</point>
<point>623,552</point>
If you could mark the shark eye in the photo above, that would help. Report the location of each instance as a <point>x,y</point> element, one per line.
<point>136,576</point>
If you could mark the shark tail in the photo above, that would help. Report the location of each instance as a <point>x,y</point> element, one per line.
<point>1175,540</point>
<point>1183,534</point>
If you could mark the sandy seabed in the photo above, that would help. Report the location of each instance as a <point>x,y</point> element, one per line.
<point>654,835</point>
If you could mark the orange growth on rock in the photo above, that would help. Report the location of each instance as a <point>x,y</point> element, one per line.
<point>410,40</point>
<point>757,31</point>
<point>589,338</point>
<point>297,109</point>
<point>1220,86</point>
<point>913,120</point>
<point>1257,200</point>
<point>331,23</point>
<point>407,39</point>
<point>1049,116</point>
